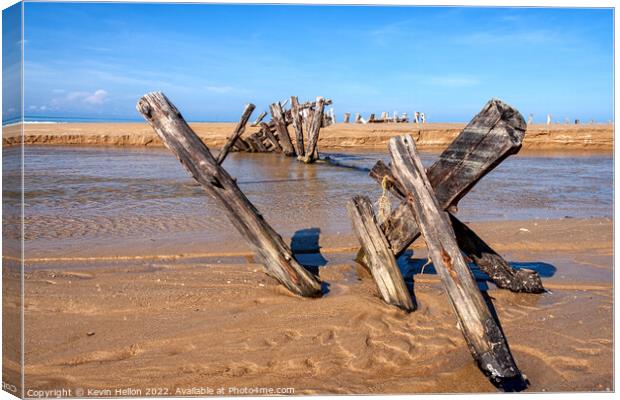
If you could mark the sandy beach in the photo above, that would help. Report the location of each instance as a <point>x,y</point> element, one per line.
<point>428,136</point>
<point>180,321</point>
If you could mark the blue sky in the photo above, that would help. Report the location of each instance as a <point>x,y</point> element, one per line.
<point>96,60</point>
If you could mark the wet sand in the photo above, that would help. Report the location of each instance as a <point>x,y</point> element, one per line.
<point>134,280</point>
<point>428,136</point>
<point>187,321</point>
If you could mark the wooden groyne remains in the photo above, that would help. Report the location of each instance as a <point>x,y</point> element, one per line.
<point>428,202</point>
<point>306,120</point>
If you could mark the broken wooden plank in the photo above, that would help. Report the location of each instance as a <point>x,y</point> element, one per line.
<point>260,117</point>
<point>272,138</point>
<point>489,261</point>
<point>241,145</point>
<point>258,143</point>
<point>298,126</point>
<point>277,115</point>
<point>247,112</point>
<point>381,261</point>
<point>484,337</point>
<point>196,158</point>
<point>313,134</point>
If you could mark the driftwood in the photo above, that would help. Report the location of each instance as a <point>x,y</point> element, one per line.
<point>196,158</point>
<point>491,263</point>
<point>381,261</point>
<point>247,112</point>
<point>298,126</point>
<point>313,133</point>
<point>241,145</point>
<point>277,115</point>
<point>256,143</point>
<point>486,340</point>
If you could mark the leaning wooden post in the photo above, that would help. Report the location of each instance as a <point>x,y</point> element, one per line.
<point>259,118</point>
<point>196,158</point>
<point>277,115</point>
<point>313,134</point>
<point>298,126</point>
<point>486,340</point>
<point>247,112</point>
<point>347,117</point>
<point>381,260</point>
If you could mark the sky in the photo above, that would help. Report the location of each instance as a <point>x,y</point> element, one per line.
<point>96,60</point>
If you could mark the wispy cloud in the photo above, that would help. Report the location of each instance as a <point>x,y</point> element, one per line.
<point>96,98</point>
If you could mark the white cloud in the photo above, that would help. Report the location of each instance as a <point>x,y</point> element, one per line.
<point>96,98</point>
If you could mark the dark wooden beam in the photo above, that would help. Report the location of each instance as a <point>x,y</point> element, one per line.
<point>247,112</point>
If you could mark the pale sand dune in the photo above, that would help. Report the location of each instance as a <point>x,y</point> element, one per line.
<point>174,324</point>
<point>428,136</point>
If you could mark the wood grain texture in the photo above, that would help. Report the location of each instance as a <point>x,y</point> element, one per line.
<point>381,261</point>
<point>245,116</point>
<point>484,337</point>
<point>313,133</point>
<point>196,158</point>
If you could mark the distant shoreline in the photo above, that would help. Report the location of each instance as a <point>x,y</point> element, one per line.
<point>591,137</point>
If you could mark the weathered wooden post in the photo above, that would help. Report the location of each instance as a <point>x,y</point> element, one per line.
<point>371,118</point>
<point>298,126</point>
<point>196,158</point>
<point>416,117</point>
<point>484,337</point>
<point>381,261</point>
<point>347,118</point>
<point>530,119</point>
<point>247,112</point>
<point>548,119</point>
<point>313,134</point>
<point>423,118</point>
<point>358,118</point>
<point>277,115</point>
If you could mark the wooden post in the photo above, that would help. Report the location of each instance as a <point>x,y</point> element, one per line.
<point>347,118</point>
<point>260,117</point>
<point>313,133</point>
<point>196,158</point>
<point>267,132</point>
<point>358,118</point>
<point>277,115</point>
<point>382,263</point>
<point>484,337</point>
<point>490,262</point>
<point>371,118</point>
<point>298,126</point>
<point>247,112</point>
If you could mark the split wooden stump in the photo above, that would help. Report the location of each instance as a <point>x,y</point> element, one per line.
<point>484,337</point>
<point>491,136</point>
<point>196,158</point>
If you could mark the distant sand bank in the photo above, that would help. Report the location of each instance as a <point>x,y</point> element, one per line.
<point>428,136</point>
